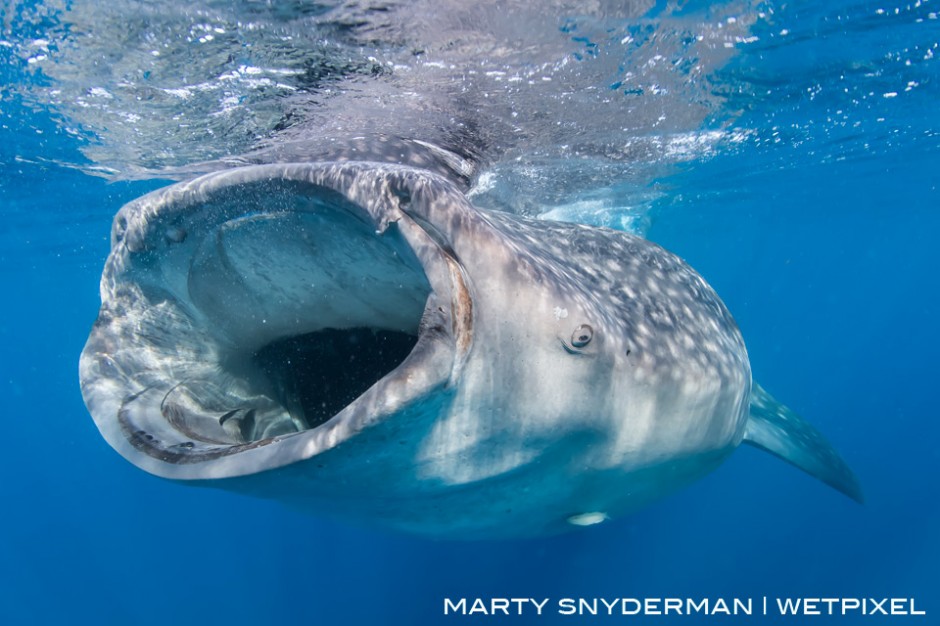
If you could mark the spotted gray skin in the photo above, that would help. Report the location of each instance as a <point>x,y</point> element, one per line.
<point>561,374</point>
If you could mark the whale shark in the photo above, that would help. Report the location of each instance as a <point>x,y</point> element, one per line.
<point>356,339</point>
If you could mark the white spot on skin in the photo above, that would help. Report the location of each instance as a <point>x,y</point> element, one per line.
<point>588,519</point>
<point>560,313</point>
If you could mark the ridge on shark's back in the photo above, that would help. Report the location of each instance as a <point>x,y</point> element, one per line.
<point>357,339</point>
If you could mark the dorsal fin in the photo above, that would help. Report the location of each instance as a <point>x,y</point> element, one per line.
<point>778,430</point>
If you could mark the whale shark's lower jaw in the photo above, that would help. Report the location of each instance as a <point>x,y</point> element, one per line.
<point>259,313</point>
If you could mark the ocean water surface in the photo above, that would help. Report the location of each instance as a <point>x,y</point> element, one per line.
<point>789,151</point>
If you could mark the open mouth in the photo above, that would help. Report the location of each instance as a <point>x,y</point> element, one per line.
<point>262,306</point>
<point>310,308</point>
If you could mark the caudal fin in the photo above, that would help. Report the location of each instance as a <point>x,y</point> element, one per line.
<point>778,430</point>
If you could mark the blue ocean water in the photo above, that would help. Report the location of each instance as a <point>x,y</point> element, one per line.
<point>817,229</point>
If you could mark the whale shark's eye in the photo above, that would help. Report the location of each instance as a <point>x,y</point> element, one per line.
<point>582,336</point>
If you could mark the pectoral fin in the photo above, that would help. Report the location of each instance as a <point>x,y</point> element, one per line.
<point>778,430</point>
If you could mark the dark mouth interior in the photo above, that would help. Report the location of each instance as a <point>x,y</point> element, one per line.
<point>317,374</point>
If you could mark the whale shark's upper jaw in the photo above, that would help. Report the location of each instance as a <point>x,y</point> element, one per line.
<point>263,306</point>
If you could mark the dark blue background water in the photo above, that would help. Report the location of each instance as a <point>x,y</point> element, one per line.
<point>822,245</point>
